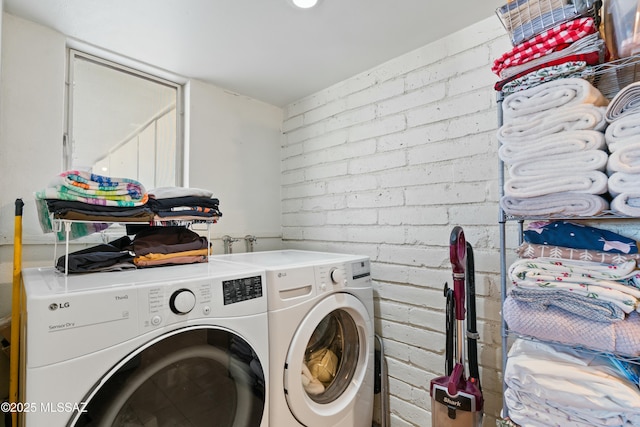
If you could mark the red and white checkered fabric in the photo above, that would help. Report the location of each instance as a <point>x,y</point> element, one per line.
<point>553,39</point>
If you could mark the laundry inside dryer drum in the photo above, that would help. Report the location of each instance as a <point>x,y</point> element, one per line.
<point>331,357</point>
<point>201,377</point>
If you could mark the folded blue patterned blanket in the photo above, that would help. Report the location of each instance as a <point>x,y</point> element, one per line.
<point>578,236</point>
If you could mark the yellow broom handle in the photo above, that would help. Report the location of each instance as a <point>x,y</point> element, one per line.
<point>14,366</point>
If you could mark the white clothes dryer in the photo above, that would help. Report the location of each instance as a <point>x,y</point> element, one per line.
<point>321,337</point>
<point>181,346</point>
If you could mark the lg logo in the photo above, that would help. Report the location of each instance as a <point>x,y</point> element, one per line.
<point>54,306</point>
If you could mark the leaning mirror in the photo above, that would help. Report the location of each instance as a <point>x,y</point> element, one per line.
<point>122,122</point>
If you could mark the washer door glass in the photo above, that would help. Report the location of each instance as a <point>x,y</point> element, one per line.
<point>194,377</point>
<point>331,357</point>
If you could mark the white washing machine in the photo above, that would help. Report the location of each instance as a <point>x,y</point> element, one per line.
<point>169,346</point>
<point>321,337</point>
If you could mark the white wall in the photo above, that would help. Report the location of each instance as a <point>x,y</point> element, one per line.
<point>31,128</point>
<point>235,151</point>
<point>385,164</point>
<point>224,129</point>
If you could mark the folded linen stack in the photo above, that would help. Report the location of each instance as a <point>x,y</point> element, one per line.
<point>150,247</point>
<point>84,196</point>
<point>181,204</point>
<point>589,303</point>
<point>553,143</point>
<point>524,19</point>
<point>95,189</point>
<point>159,246</point>
<point>569,48</point>
<point>544,282</point>
<point>587,390</point>
<point>623,141</point>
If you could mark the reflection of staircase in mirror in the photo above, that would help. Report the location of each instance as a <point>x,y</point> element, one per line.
<point>147,154</point>
<point>122,122</point>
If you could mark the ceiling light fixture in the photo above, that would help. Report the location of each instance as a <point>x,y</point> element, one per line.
<point>305,4</point>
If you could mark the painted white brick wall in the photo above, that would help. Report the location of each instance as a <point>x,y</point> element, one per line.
<point>385,164</point>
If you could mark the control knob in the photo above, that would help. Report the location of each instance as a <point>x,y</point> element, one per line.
<point>182,301</point>
<point>337,277</point>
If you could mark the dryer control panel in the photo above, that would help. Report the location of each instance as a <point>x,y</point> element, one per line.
<point>69,316</point>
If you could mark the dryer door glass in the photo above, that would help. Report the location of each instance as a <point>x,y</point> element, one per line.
<point>194,377</point>
<point>331,357</point>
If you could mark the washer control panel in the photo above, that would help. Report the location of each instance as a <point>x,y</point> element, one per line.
<point>193,299</point>
<point>341,275</point>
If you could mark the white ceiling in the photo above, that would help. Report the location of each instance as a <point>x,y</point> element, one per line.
<point>264,49</point>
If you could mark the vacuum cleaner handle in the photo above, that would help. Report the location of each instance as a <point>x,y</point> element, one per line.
<point>472,332</point>
<point>458,257</point>
<point>450,329</point>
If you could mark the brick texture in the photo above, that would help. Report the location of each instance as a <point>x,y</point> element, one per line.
<point>385,164</point>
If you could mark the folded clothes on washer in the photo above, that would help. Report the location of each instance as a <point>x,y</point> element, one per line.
<point>183,257</point>
<point>150,247</point>
<point>95,190</point>
<point>113,256</point>
<point>166,240</point>
<point>78,211</point>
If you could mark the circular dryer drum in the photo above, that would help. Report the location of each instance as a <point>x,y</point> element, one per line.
<point>331,357</point>
<point>328,360</point>
<point>199,376</point>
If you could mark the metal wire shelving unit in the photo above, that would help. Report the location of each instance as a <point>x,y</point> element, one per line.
<point>609,78</point>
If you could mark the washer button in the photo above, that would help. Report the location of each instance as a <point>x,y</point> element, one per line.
<point>156,320</point>
<point>206,310</point>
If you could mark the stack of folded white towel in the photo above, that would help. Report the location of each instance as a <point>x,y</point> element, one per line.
<point>553,142</point>
<point>623,141</point>
<point>550,385</point>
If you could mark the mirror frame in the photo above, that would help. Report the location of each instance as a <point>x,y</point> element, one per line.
<point>72,54</point>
